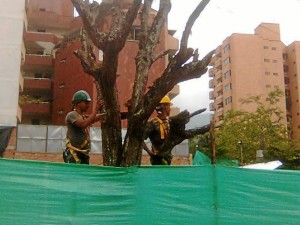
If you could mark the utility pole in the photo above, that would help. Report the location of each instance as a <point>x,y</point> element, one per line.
<point>241,152</point>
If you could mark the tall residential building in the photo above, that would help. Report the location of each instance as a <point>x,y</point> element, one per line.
<point>51,75</point>
<point>254,64</point>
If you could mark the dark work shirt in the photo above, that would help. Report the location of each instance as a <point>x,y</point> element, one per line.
<point>75,134</point>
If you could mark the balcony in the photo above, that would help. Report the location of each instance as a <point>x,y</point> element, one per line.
<point>52,19</point>
<point>41,108</point>
<point>218,51</point>
<point>39,60</point>
<point>211,95</point>
<point>43,37</point>
<point>211,83</point>
<point>211,107</point>
<point>38,83</point>
<point>219,87</point>
<point>211,72</point>
<point>219,75</point>
<point>219,101</point>
<point>218,63</point>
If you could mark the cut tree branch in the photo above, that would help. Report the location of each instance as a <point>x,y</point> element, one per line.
<point>178,133</point>
<point>187,31</point>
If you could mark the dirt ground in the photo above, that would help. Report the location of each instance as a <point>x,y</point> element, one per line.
<point>95,159</point>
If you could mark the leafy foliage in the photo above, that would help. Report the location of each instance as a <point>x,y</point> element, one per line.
<point>200,142</point>
<point>262,129</point>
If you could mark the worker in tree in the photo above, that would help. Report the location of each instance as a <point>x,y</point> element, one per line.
<point>78,138</point>
<point>157,130</point>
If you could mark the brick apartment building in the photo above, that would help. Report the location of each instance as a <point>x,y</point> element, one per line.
<point>253,64</point>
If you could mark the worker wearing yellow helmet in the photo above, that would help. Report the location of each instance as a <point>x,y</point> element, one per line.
<point>157,130</point>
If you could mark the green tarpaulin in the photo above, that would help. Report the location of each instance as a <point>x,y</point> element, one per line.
<point>202,159</point>
<point>56,193</point>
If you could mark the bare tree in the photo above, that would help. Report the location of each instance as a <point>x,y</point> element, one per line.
<point>143,101</point>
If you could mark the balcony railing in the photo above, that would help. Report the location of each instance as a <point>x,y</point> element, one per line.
<point>211,72</point>
<point>41,108</point>
<point>45,37</point>
<point>38,83</point>
<point>41,60</point>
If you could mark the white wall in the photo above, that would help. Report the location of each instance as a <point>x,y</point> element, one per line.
<point>11,35</point>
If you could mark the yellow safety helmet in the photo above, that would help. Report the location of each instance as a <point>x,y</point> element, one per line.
<point>166,100</point>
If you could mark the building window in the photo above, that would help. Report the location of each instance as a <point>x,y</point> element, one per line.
<point>276,86</point>
<point>266,47</point>
<point>267,73</point>
<point>285,68</point>
<point>275,74</point>
<point>286,80</point>
<point>227,74</point>
<point>274,48</point>
<point>226,61</point>
<point>266,60</point>
<point>227,87</point>
<point>284,56</point>
<point>274,61</point>
<point>268,86</point>
<point>228,100</point>
<point>134,34</point>
<point>42,10</point>
<point>226,48</point>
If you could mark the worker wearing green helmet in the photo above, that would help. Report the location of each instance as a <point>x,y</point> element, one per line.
<point>78,138</point>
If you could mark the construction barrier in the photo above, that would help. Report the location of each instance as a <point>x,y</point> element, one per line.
<point>35,192</point>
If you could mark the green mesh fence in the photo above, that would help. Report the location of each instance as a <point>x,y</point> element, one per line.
<point>56,193</point>
<point>202,159</point>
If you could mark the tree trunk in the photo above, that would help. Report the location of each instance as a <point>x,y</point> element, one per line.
<point>111,127</point>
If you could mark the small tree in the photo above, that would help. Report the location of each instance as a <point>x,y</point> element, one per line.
<point>143,101</point>
<point>259,130</point>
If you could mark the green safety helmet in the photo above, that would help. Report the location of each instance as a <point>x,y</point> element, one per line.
<point>80,96</point>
